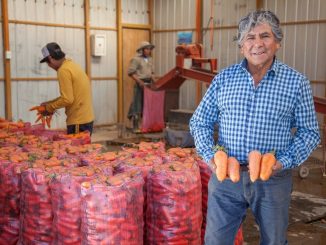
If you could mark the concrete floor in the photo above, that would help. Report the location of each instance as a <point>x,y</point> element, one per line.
<point>307,223</point>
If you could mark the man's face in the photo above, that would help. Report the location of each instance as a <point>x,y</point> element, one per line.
<point>51,63</point>
<point>259,46</point>
<point>147,51</point>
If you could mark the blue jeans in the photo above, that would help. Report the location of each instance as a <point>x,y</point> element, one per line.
<point>77,128</point>
<point>269,202</point>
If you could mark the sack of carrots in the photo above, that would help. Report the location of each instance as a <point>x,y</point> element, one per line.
<point>205,175</point>
<point>112,210</point>
<point>81,138</point>
<point>66,203</point>
<point>35,207</point>
<point>174,212</point>
<point>9,202</point>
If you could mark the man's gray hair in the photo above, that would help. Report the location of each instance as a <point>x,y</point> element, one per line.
<point>256,18</point>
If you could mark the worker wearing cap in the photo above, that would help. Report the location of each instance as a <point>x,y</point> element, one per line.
<point>75,90</point>
<point>141,71</point>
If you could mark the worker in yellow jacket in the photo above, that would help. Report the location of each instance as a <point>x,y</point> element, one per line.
<point>75,91</point>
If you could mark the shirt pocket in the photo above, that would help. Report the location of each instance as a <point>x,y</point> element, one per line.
<point>279,105</point>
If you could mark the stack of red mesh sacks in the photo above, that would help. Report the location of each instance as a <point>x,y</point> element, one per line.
<point>112,210</point>
<point>174,212</point>
<point>9,202</point>
<point>66,202</point>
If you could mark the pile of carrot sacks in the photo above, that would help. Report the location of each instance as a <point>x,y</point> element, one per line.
<point>60,189</point>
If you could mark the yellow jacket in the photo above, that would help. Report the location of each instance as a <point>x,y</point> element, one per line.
<point>75,94</point>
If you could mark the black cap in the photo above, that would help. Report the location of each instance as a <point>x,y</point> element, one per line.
<point>52,49</point>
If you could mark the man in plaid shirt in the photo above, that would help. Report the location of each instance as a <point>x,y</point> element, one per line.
<point>255,105</point>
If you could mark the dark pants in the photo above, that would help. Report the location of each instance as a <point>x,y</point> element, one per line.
<point>77,128</point>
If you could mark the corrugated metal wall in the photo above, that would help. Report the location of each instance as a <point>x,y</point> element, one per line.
<point>303,46</point>
<point>172,15</point>
<point>135,12</point>
<point>105,96</point>
<point>32,24</point>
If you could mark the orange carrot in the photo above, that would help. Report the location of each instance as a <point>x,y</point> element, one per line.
<point>254,159</point>
<point>221,162</point>
<point>38,118</point>
<point>267,162</point>
<point>233,169</point>
<point>48,121</point>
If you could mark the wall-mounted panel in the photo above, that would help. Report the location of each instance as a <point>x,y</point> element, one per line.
<point>135,11</point>
<point>106,66</point>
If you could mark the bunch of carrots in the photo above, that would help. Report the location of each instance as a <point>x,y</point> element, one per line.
<point>42,115</point>
<point>260,165</point>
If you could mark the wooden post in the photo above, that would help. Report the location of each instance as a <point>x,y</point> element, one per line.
<point>119,61</point>
<point>259,4</point>
<point>6,50</point>
<point>87,39</point>
<point>198,40</point>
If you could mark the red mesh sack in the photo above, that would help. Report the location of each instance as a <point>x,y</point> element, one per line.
<point>9,203</point>
<point>153,110</point>
<point>112,210</point>
<point>36,208</point>
<point>66,205</point>
<point>174,213</point>
<point>205,175</point>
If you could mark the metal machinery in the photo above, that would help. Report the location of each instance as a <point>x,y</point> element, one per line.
<point>175,77</point>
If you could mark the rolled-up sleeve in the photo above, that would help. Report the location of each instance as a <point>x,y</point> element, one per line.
<point>307,135</point>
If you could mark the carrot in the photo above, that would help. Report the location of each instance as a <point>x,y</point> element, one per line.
<point>48,121</point>
<point>267,162</point>
<point>233,169</point>
<point>221,162</point>
<point>254,159</point>
<point>38,118</point>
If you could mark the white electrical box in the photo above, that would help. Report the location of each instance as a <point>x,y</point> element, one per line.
<point>98,44</point>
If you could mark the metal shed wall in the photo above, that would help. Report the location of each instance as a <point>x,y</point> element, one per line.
<point>32,24</point>
<point>135,12</point>
<point>302,48</point>
<point>167,17</point>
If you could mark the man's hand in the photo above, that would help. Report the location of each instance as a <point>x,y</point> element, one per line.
<point>41,109</point>
<point>277,166</point>
<point>212,165</point>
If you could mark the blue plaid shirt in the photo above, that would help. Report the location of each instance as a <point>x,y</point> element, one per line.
<point>260,118</point>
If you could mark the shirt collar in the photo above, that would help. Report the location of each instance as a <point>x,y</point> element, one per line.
<point>274,67</point>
